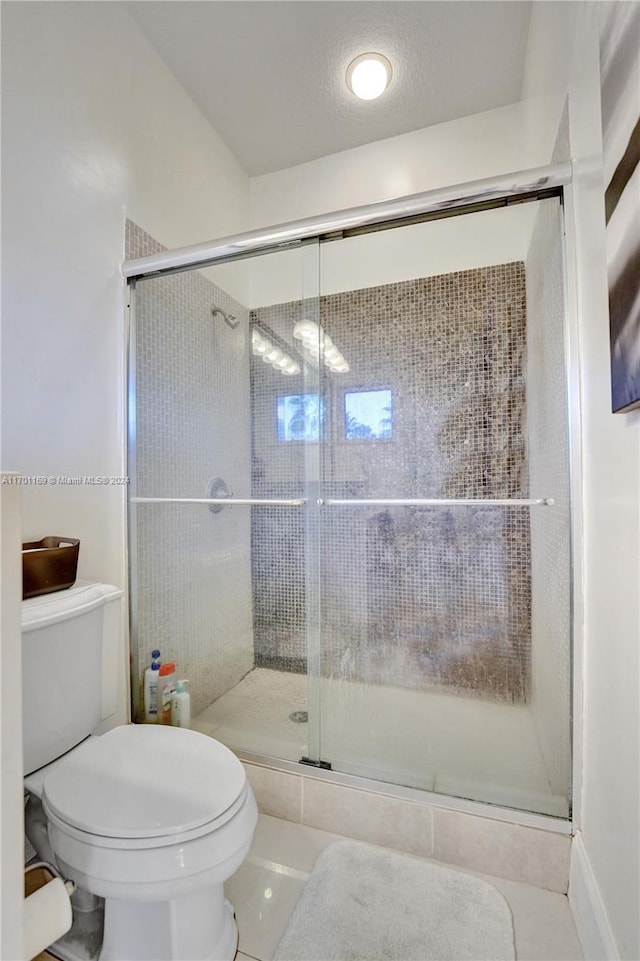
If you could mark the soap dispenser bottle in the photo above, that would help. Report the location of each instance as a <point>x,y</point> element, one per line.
<point>166,687</point>
<point>181,706</point>
<point>151,689</point>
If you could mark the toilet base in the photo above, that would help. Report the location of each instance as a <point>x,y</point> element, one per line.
<point>85,940</point>
<point>200,927</point>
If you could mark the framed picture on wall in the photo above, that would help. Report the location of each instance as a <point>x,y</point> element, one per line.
<point>620,92</point>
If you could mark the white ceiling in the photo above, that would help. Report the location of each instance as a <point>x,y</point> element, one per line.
<point>269,74</point>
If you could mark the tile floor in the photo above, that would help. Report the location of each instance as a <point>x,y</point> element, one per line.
<point>438,742</point>
<point>266,888</point>
<point>264,892</point>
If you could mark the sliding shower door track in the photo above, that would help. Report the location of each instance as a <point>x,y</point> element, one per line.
<point>521,186</point>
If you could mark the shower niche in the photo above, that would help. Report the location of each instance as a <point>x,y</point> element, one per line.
<point>384,587</point>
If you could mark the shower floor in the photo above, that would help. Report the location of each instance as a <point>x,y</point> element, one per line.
<point>438,742</point>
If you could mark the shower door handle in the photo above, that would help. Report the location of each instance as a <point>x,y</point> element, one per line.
<point>438,502</point>
<point>224,501</point>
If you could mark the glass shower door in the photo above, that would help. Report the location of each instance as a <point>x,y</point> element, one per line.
<point>289,416</point>
<point>350,520</point>
<point>226,421</point>
<point>445,636</point>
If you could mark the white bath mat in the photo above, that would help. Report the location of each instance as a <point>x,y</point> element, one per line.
<point>362,903</point>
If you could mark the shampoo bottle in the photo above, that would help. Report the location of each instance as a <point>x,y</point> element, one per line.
<point>151,689</point>
<point>181,706</point>
<point>166,687</point>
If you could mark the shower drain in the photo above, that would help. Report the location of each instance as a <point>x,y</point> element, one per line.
<point>299,717</point>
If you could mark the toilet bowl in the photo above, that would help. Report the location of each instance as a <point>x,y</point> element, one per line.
<point>153,819</point>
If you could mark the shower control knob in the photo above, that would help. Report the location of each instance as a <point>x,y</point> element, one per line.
<point>216,489</point>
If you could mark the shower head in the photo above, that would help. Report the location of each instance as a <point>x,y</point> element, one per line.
<point>229,319</point>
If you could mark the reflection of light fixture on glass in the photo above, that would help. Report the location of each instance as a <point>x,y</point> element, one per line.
<point>262,347</point>
<point>307,331</point>
<point>315,343</point>
<point>268,893</point>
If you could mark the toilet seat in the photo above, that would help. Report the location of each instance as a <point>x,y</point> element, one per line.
<point>139,844</point>
<point>145,786</point>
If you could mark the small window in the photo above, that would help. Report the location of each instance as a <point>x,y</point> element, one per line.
<point>300,417</point>
<point>368,415</point>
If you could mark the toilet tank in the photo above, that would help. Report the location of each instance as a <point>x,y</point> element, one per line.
<point>70,650</point>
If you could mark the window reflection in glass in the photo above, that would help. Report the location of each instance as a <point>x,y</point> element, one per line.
<point>368,415</point>
<point>300,417</point>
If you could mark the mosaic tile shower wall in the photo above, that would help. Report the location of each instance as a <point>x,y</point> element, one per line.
<point>193,423</point>
<point>411,597</point>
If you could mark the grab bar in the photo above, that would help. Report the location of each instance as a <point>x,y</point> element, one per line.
<point>438,502</point>
<point>224,501</point>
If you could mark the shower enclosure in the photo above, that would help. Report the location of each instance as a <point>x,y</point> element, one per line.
<point>349,511</point>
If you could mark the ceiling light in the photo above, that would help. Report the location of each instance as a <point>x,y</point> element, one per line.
<point>368,75</point>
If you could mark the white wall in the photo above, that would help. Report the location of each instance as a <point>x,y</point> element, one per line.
<point>95,128</point>
<point>605,893</point>
<point>483,145</point>
<point>498,141</point>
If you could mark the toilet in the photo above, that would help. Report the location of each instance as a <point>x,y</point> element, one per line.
<point>152,819</point>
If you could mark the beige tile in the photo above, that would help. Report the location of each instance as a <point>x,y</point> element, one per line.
<point>285,843</point>
<point>503,850</point>
<point>263,900</point>
<point>391,822</point>
<point>277,793</point>
<point>542,921</point>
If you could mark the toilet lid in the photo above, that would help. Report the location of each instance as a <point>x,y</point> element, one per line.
<point>144,781</point>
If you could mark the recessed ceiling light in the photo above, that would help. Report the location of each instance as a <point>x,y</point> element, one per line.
<point>368,75</point>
